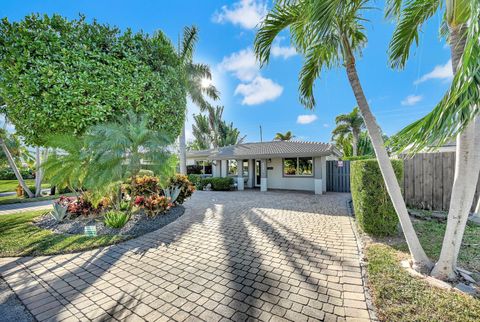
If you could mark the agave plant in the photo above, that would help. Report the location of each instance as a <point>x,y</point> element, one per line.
<point>172,193</point>
<point>59,212</point>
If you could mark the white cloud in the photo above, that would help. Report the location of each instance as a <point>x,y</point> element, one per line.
<point>306,118</point>
<point>246,13</point>
<point>411,100</point>
<point>283,51</point>
<point>243,64</point>
<point>325,125</point>
<point>258,91</point>
<point>444,72</point>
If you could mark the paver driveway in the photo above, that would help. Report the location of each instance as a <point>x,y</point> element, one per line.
<point>231,256</point>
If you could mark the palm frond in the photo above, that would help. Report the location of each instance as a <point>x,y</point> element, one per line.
<point>457,108</point>
<point>187,45</point>
<point>414,15</point>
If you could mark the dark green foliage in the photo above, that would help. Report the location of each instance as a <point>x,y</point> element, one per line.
<point>195,179</point>
<point>373,207</point>
<point>359,157</point>
<point>59,76</point>
<point>218,184</point>
<point>7,174</point>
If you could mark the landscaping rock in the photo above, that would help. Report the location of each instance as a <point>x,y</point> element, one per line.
<point>468,289</point>
<point>138,224</point>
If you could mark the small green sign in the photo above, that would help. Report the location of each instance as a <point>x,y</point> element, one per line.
<point>91,231</point>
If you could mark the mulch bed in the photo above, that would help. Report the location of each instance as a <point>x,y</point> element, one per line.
<point>139,223</point>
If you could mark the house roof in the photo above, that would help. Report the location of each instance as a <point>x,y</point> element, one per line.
<point>267,150</point>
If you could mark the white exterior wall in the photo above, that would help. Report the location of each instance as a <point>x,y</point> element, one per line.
<point>276,180</point>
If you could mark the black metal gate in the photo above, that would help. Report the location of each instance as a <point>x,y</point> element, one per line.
<point>338,176</point>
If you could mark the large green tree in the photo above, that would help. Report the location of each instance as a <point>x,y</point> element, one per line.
<point>331,33</point>
<point>287,136</point>
<point>457,113</point>
<point>60,76</point>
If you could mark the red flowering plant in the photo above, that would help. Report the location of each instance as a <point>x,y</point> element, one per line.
<point>155,204</point>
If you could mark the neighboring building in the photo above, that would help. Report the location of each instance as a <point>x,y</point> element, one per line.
<point>290,165</point>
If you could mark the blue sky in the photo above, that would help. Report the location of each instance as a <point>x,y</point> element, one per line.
<point>269,96</point>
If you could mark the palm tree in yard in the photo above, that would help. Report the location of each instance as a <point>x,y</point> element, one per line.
<point>284,137</point>
<point>350,123</point>
<point>195,82</point>
<point>455,115</point>
<point>329,34</point>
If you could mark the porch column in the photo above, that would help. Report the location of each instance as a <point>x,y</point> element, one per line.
<point>215,168</point>
<point>240,182</point>
<point>251,173</point>
<point>223,168</point>
<point>263,179</point>
<point>318,179</point>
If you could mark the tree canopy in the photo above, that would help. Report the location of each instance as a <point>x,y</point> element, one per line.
<point>60,76</point>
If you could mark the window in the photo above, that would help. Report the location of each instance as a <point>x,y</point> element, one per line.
<point>205,166</point>
<point>232,168</point>
<point>298,167</point>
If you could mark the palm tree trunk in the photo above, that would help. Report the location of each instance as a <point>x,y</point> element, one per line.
<point>14,168</point>
<point>419,258</point>
<point>182,151</point>
<point>467,168</point>
<point>40,173</point>
<point>355,135</point>
<point>476,213</point>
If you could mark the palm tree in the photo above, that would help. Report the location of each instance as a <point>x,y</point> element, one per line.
<point>284,137</point>
<point>455,115</point>
<point>194,82</point>
<point>109,154</point>
<point>214,129</point>
<point>350,123</point>
<point>328,34</point>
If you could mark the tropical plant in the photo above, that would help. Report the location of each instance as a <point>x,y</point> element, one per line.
<point>284,137</point>
<point>214,129</point>
<point>59,212</point>
<point>172,193</point>
<point>351,123</point>
<point>457,113</point>
<point>116,219</point>
<point>144,186</point>
<point>186,187</point>
<point>328,34</point>
<point>154,204</point>
<point>196,74</point>
<point>110,154</point>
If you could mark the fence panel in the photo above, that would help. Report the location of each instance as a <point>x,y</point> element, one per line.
<point>338,177</point>
<point>428,180</point>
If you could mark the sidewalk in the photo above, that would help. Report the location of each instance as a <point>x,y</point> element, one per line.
<point>25,206</point>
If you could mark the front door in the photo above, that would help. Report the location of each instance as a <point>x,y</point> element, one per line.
<point>258,172</point>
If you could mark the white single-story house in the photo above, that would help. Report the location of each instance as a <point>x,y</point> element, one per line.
<point>290,165</point>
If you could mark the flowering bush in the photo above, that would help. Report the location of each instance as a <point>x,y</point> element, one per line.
<point>187,188</point>
<point>81,206</point>
<point>144,186</point>
<point>156,204</point>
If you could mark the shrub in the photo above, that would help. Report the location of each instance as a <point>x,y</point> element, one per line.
<point>154,204</point>
<point>144,186</point>
<point>145,172</point>
<point>21,193</point>
<point>82,206</point>
<point>373,207</point>
<point>7,174</point>
<point>186,187</point>
<point>196,179</point>
<point>116,219</point>
<point>358,157</point>
<point>59,212</point>
<point>219,184</point>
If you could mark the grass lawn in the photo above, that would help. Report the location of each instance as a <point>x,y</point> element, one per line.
<point>18,237</point>
<point>399,296</point>
<point>11,185</point>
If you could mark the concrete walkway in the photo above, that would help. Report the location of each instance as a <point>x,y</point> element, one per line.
<point>25,206</point>
<point>238,256</point>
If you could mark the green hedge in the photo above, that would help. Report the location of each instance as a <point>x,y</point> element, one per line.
<point>218,184</point>
<point>372,204</point>
<point>358,157</point>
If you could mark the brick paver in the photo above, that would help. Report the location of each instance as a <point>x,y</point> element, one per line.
<point>238,256</point>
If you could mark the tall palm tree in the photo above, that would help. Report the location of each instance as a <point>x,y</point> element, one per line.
<point>284,137</point>
<point>194,82</point>
<point>455,115</point>
<point>350,123</point>
<point>328,34</point>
